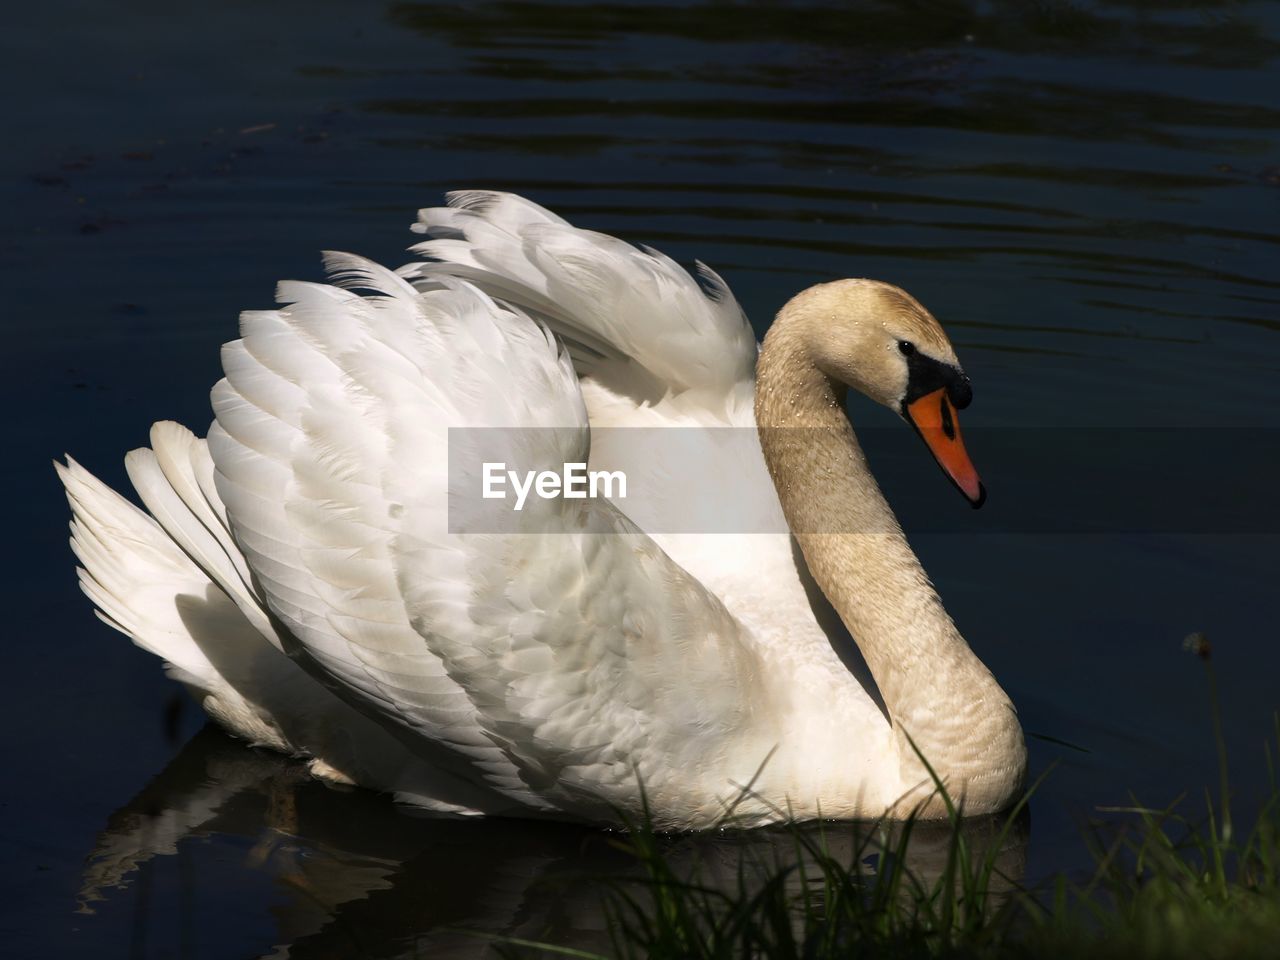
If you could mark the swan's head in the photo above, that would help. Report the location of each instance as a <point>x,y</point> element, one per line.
<point>879,340</point>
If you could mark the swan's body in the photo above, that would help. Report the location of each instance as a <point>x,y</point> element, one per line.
<point>298,570</point>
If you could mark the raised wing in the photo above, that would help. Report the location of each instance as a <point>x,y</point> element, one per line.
<point>628,316</point>
<point>557,663</point>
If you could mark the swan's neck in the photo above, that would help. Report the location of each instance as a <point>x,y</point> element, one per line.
<point>936,691</point>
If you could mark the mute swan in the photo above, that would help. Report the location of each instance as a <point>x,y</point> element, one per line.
<point>297,572</point>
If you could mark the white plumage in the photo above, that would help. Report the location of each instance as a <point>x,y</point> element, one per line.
<point>298,573</point>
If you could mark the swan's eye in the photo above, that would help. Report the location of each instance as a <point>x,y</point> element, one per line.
<point>907,347</point>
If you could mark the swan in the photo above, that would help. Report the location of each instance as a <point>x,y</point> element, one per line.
<point>298,572</point>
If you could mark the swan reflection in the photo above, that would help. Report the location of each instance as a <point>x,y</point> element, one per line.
<point>353,874</point>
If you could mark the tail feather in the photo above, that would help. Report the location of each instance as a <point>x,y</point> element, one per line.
<point>183,459</point>
<point>164,477</point>
<point>144,585</point>
<point>130,569</point>
<point>177,585</point>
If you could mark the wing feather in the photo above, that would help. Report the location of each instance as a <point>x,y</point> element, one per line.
<point>617,307</point>
<point>558,666</point>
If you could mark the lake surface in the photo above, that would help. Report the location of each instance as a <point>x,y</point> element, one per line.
<point>1087,196</point>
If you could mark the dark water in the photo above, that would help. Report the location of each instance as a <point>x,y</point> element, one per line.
<point>1086,195</point>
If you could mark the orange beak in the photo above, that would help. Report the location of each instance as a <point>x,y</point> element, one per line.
<point>934,418</point>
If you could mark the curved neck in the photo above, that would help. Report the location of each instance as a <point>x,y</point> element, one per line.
<point>936,691</point>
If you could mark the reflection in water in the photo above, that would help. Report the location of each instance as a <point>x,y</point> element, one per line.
<point>354,875</point>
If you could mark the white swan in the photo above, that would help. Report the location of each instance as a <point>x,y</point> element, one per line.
<point>298,574</point>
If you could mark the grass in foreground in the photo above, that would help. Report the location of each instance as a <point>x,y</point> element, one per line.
<point>1164,884</point>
